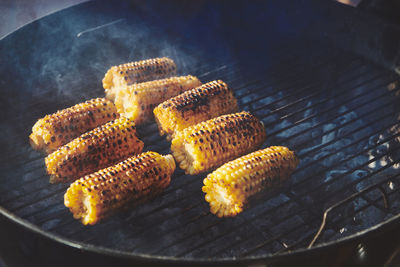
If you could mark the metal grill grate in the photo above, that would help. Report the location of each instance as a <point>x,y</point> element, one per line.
<point>337,111</point>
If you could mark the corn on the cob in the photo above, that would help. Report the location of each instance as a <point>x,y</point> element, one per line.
<point>191,107</point>
<point>135,72</point>
<point>229,188</point>
<point>59,128</point>
<point>94,150</point>
<point>137,101</point>
<point>97,195</point>
<point>211,143</point>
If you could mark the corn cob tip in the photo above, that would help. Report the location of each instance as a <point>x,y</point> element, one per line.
<point>36,141</point>
<point>170,162</point>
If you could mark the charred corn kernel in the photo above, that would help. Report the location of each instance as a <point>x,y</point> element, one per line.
<point>191,107</point>
<point>136,72</point>
<point>211,143</point>
<point>137,101</point>
<point>229,188</point>
<point>97,195</point>
<point>94,150</point>
<point>59,128</point>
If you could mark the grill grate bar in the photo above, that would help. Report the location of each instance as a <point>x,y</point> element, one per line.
<point>23,194</point>
<point>35,213</point>
<point>360,118</point>
<point>39,199</point>
<point>24,183</point>
<point>309,85</point>
<point>313,106</point>
<point>342,161</point>
<point>300,90</point>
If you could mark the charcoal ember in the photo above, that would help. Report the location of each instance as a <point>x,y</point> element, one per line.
<point>369,217</point>
<point>247,99</point>
<point>306,160</point>
<point>356,161</point>
<point>266,116</point>
<point>346,115</point>
<point>298,134</point>
<point>329,132</point>
<point>366,182</point>
<point>309,111</point>
<point>282,124</point>
<point>336,180</point>
<point>316,133</point>
<point>354,130</point>
<point>333,159</point>
<point>358,174</point>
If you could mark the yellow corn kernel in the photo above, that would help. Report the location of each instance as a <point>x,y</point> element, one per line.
<point>94,150</point>
<point>229,188</point>
<point>191,107</point>
<point>59,128</point>
<point>98,195</point>
<point>211,143</point>
<point>137,101</point>
<point>118,77</point>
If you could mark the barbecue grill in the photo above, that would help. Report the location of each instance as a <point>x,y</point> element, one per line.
<point>316,73</point>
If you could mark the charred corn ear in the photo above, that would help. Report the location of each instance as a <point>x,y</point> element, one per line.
<point>191,107</point>
<point>97,195</point>
<point>137,101</point>
<point>229,187</point>
<point>211,143</point>
<point>94,150</point>
<point>59,128</point>
<point>136,72</point>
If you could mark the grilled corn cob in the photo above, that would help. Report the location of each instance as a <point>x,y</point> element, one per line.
<point>59,128</point>
<point>135,72</point>
<point>97,195</point>
<point>137,101</point>
<point>191,107</point>
<point>94,150</point>
<point>211,143</point>
<point>229,187</point>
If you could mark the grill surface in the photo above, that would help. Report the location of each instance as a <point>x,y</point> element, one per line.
<point>336,110</point>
